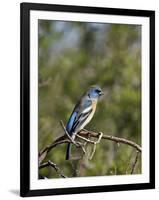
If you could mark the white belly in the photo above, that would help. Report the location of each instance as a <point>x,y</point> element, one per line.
<point>94,103</point>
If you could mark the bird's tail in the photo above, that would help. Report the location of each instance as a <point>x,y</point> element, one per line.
<point>68,151</point>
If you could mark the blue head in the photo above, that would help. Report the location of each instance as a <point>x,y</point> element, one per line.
<point>94,92</point>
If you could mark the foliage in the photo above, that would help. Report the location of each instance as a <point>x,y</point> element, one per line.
<point>74,56</point>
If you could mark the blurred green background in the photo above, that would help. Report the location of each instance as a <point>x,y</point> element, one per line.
<point>72,57</point>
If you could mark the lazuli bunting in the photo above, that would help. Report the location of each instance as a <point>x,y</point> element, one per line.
<point>82,113</point>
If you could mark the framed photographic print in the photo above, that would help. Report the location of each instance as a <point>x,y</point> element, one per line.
<point>87,99</point>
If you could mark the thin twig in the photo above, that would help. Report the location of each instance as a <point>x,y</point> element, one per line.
<point>135,161</point>
<point>93,152</point>
<point>85,139</point>
<point>69,137</point>
<point>53,165</point>
<point>129,161</point>
<point>94,147</point>
<point>77,144</point>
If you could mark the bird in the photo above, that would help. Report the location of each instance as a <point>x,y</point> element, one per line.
<point>82,114</point>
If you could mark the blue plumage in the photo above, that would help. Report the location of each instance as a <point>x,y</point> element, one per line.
<point>70,122</point>
<point>82,113</point>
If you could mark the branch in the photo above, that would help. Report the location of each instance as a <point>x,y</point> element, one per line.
<point>113,138</point>
<point>64,139</point>
<point>53,165</point>
<point>46,150</point>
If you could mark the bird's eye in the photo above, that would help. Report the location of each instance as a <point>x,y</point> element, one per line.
<point>97,91</point>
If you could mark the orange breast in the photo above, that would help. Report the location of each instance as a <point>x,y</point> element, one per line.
<point>94,104</point>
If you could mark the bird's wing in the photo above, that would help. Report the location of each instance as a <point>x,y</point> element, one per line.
<point>80,113</point>
<point>71,121</point>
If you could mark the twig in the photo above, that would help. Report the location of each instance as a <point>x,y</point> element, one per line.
<point>90,141</point>
<point>85,139</point>
<point>94,147</point>
<point>93,152</point>
<point>129,161</point>
<point>69,137</point>
<point>135,161</point>
<point>53,165</point>
<point>77,144</point>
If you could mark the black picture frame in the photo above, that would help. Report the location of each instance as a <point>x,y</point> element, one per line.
<point>25,9</point>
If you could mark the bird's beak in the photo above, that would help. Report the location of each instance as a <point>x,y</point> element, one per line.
<point>101,93</point>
